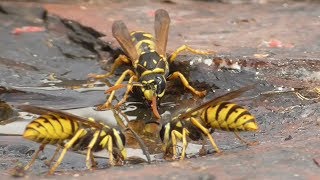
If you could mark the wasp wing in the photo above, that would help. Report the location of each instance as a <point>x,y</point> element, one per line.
<point>121,33</point>
<point>42,110</point>
<point>214,101</point>
<point>161,27</point>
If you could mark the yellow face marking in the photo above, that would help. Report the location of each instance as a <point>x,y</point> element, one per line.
<point>148,94</point>
<point>145,63</point>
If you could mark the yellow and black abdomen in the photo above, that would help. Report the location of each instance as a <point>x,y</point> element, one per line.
<point>229,117</point>
<point>51,129</point>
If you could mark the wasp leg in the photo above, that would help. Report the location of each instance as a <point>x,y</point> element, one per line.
<point>174,136</point>
<point>206,132</point>
<point>35,156</point>
<point>93,162</point>
<point>107,104</point>
<point>108,141</point>
<point>65,149</point>
<point>186,83</point>
<point>129,89</point>
<point>89,159</point>
<point>187,48</point>
<point>177,135</point>
<point>184,143</point>
<point>122,59</point>
<point>48,163</point>
<point>244,141</point>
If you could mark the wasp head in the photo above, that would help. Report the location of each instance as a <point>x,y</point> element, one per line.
<point>153,85</point>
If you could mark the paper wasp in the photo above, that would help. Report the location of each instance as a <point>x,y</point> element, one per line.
<point>202,120</point>
<point>147,55</point>
<point>68,131</point>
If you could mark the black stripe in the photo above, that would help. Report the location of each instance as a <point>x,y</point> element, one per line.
<point>31,128</point>
<point>37,124</point>
<point>47,121</point>
<point>35,139</point>
<point>232,110</point>
<point>72,125</point>
<point>57,118</point>
<point>249,121</point>
<point>220,107</point>
<point>44,127</point>
<point>240,115</point>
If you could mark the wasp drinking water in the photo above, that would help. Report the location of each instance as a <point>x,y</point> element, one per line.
<point>147,55</point>
<point>68,131</point>
<point>202,120</point>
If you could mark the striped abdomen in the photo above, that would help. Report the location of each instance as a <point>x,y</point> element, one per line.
<point>51,129</point>
<point>143,41</point>
<point>229,117</point>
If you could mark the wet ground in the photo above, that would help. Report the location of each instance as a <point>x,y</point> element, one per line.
<point>275,45</point>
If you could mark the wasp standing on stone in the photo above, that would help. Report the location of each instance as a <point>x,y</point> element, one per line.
<point>202,120</point>
<point>148,58</point>
<point>68,131</point>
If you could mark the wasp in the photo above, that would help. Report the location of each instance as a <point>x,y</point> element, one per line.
<point>200,122</point>
<point>68,131</point>
<point>147,55</point>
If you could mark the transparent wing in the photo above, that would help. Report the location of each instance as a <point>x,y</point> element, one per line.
<point>121,33</point>
<point>214,101</point>
<point>161,27</point>
<point>42,110</point>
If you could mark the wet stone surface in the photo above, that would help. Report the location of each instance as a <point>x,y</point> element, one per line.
<point>274,45</point>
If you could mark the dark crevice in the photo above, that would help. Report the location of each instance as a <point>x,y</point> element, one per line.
<point>88,38</point>
<point>2,10</point>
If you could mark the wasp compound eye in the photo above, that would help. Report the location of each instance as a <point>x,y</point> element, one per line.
<point>160,84</point>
